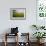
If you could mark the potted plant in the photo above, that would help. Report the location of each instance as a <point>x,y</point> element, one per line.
<point>38,27</point>
<point>42,27</point>
<point>35,26</point>
<point>39,35</point>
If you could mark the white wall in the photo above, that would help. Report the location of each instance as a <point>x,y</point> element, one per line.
<point>24,25</point>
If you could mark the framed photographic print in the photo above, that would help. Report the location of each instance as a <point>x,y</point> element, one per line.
<point>17,13</point>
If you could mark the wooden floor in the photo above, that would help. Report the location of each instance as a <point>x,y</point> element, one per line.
<point>13,44</point>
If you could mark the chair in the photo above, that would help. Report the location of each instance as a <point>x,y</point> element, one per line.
<point>26,37</point>
<point>14,32</point>
<point>7,35</point>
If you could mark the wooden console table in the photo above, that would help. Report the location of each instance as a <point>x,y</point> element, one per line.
<point>8,34</point>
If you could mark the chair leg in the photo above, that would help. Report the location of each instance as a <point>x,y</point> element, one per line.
<point>5,43</point>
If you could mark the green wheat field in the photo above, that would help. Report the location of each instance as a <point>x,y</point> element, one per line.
<point>18,14</point>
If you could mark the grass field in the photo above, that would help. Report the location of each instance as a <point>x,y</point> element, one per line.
<point>16,14</point>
